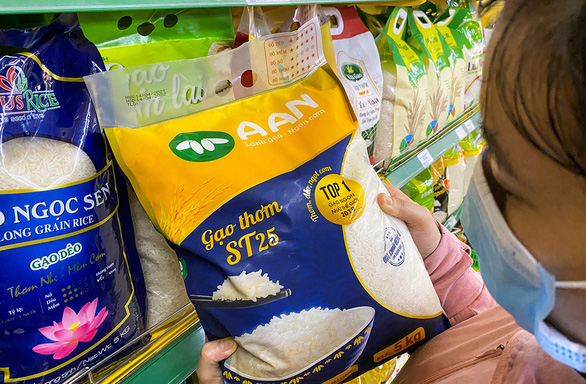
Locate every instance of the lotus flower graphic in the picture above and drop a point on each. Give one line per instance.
(73, 328)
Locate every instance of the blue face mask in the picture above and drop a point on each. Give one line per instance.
(515, 279)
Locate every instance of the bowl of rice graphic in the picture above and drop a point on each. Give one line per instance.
(314, 345)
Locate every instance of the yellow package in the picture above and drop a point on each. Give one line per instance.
(271, 201)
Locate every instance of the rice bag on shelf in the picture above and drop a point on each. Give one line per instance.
(359, 68)
(474, 56)
(440, 191)
(420, 189)
(404, 106)
(300, 199)
(448, 28)
(436, 56)
(72, 286)
(472, 146)
(455, 173)
(138, 37)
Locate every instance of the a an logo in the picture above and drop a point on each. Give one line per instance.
(352, 71)
(16, 97)
(15, 80)
(202, 146)
(394, 249)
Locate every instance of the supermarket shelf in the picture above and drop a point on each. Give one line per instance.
(166, 353)
(453, 219)
(35, 6)
(174, 363)
(421, 158)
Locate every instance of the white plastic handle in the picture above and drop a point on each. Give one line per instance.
(422, 19)
(335, 12)
(400, 21)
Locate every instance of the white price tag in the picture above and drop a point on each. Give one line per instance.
(460, 133)
(469, 125)
(425, 158)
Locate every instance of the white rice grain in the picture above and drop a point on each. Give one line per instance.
(404, 288)
(289, 343)
(251, 286)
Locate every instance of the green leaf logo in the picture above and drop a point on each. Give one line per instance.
(199, 147)
(352, 71)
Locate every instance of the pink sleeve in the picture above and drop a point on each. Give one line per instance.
(460, 289)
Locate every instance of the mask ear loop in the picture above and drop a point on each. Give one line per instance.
(571, 284)
(495, 189)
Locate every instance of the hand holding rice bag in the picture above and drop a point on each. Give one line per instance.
(72, 291)
(300, 199)
(404, 107)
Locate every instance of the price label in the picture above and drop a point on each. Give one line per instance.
(460, 133)
(425, 158)
(469, 125)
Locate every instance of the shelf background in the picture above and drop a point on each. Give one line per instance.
(36, 6)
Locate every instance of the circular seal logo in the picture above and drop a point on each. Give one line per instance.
(394, 248)
(352, 71)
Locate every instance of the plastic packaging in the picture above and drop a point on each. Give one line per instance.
(455, 173)
(448, 28)
(436, 56)
(472, 146)
(147, 94)
(421, 189)
(301, 201)
(440, 191)
(359, 68)
(404, 107)
(138, 37)
(72, 287)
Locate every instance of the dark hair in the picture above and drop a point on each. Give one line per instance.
(546, 103)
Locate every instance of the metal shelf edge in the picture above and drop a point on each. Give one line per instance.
(173, 364)
(412, 166)
(34, 6)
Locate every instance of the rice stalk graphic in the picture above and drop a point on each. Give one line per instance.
(456, 88)
(438, 102)
(183, 215)
(415, 112)
(415, 117)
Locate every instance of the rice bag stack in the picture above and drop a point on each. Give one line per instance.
(436, 56)
(404, 107)
(72, 291)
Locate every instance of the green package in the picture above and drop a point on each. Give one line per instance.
(448, 26)
(420, 189)
(138, 37)
(405, 106)
(436, 55)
